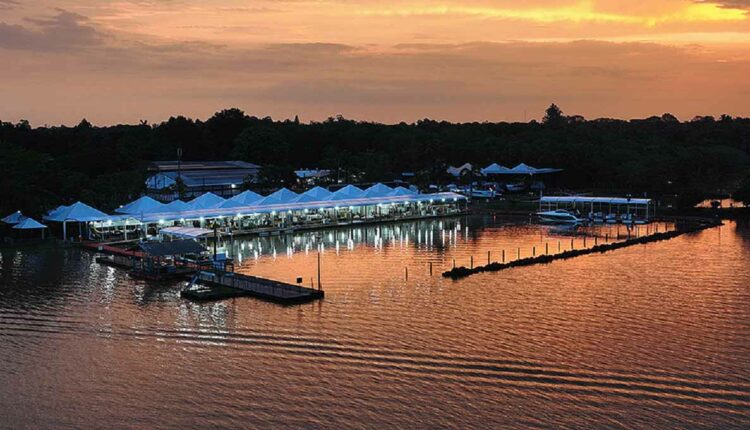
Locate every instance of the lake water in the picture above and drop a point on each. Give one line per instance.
(650, 336)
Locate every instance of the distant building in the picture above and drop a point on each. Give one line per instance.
(312, 176)
(224, 178)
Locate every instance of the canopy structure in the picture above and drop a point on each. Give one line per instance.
(401, 191)
(175, 247)
(347, 193)
(403, 195)
(520, 169)
(244, 198)
(14, 218)
(604, 205)
(378, 190)
(77, 212)
(279, 197)
(176, 205)
(54, 212)
(460, 170)
(142, 205)
(313, 195)
(206, 201)
(187, 232)
(29, 224)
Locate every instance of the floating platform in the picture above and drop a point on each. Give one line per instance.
(219, 285)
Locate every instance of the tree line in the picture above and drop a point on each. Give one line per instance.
(106, 166)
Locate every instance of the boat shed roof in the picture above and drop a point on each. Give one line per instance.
(175, 247)
(604, 200)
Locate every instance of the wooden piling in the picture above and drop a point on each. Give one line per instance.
(430, 268)
(503, 256)
(472, 261)
(488, 257)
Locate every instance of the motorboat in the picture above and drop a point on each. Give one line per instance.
(559, 216)
(482, 193)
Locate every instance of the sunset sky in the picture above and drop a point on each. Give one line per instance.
(123, 61)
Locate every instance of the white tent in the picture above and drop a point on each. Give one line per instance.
(78, 212)
(176, 205)
(245, 198)
(378, 190)
(460, 170)
(29, 224)
(496, 169)
(401, 191)
(279, 197)
(206, 201)
(14, 218)
(315, 194)
(347, 193)
(54, 212)
(524, 169)
(142, 205)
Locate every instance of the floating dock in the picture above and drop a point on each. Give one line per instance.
(207, 285)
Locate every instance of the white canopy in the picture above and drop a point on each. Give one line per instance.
(176, 205)
(142, 205)
(14, 218)
(313, 195)
(245, 198)
(496, 169)
(54, 212)
(206, 201)
(29, 224)
(378, 190)
(279, 197)
(401, 191)
(79, 212)
(347, 193)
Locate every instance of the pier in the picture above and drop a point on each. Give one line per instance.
(206, 285)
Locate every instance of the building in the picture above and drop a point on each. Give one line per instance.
(224, 178)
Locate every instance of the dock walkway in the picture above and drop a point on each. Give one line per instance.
(207, 285)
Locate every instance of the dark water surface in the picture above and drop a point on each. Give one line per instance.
(653, 336)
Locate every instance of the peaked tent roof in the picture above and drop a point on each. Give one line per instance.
(54, 212)
(176, 205)
(524, 169)
(315, 194)
(496, 169)
(401, 191)
(14, 218)
(245, 198)
(29, 224)
(206, 201)
(378, 190)
(279, 197)
(79, 212)
(141, 205)
(347, 193)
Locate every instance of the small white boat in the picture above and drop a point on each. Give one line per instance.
(559, 216)
(482, 194)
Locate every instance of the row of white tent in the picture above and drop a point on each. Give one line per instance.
(146, 209)
(497, 169)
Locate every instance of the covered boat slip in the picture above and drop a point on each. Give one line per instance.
(601, 208)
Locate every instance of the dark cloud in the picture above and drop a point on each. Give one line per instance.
(61, 32)
(735, 4)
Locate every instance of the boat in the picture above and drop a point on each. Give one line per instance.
(559, 216)
(482, 193)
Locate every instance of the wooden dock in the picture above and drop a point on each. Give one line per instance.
(210, 285)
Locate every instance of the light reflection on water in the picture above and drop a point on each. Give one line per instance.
(652, 336)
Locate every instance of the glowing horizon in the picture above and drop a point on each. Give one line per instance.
(127, 60)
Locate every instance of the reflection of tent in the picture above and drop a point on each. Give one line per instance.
(176, 206)
(14, 218)
(401, 191)
(378, 190)
(28, 224)
(142, 205)
(245, 198)
(205, 201)
(313, 195)
(279, 197)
